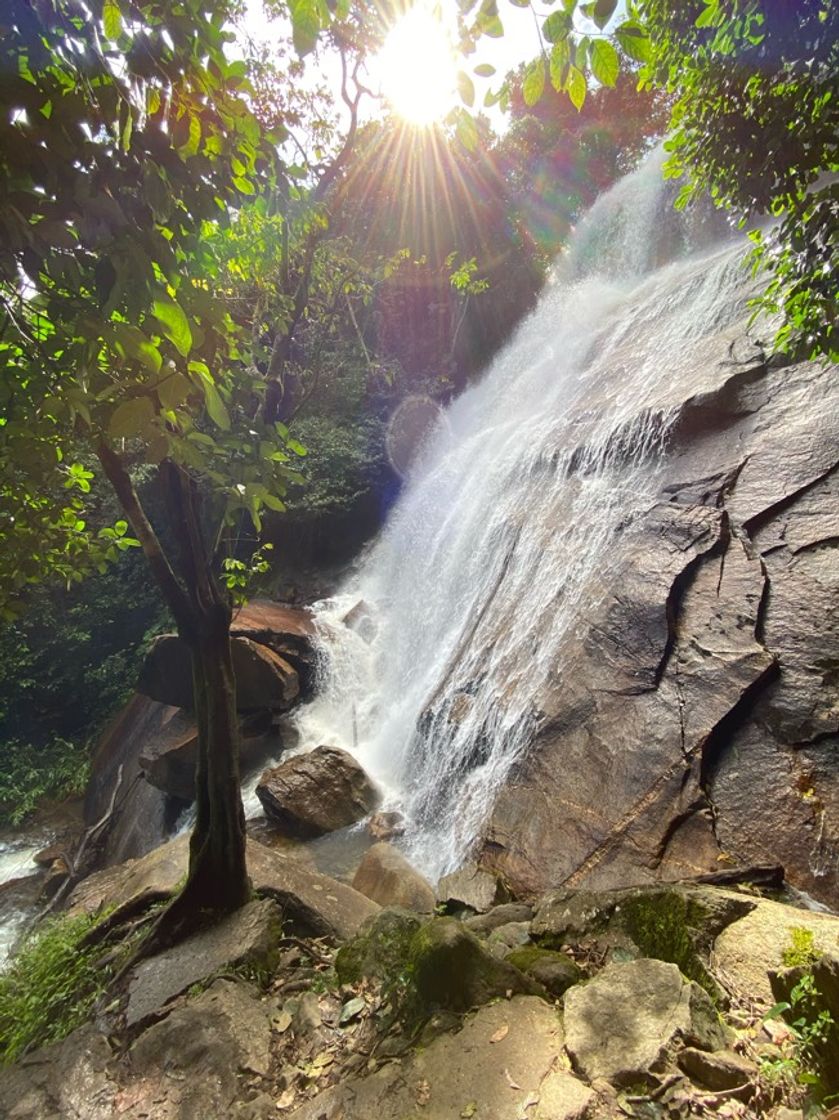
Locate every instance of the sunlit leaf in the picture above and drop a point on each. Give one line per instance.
(576, 87)
(465, 88)
(605, 64)
(111, 20)
(533, 85)
(175, 324)
(216, 407)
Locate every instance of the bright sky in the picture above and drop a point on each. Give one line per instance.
(412, 72)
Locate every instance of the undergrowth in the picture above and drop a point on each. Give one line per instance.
(29, 774)
(51, 985)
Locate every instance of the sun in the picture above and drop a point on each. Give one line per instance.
(416, 67)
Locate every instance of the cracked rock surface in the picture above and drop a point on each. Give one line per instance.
(695, 722)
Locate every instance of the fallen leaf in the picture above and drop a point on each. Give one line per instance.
(513, 1084)
(351, 1010)
(469, 1110)
(500, 1034)
(281, 1022)
(423, 1093)
(286, 1100)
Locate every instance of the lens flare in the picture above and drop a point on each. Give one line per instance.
(416, 67)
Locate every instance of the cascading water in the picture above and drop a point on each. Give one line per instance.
(488, 564)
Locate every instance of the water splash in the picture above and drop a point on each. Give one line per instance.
(503, 534)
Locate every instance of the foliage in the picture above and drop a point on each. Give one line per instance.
(50, 986)
(756, 121)
(811, 1028)
(28, 774)
(346, 458)
(801, 949)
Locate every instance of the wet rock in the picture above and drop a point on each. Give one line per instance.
(389, 879)
(386, 826)
(450, 968)
(718, 1071)
(556, 972)
(169, 762)
(264, 679)
(630, 1020)
(288, 631)
(248, 938)
(315, 793)
(702, 686)
(504, 1063)
(472, 887)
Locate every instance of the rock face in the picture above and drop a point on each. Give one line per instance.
(467, 1074)
(264, 679)
(386, 876)
(315, 793)
(695, 715)
(631, 1017)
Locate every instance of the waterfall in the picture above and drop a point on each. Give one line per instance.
(488, 563)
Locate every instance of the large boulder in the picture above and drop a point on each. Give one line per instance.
(312, 904)
(700, 685)
(288, 631)
(633, 1017)
(389, 879)
(506, 1062)
(168, 762)
(450, 968)
(248, 938)
(315, 793)
(264, 679)
(134, 816)
(748, 951)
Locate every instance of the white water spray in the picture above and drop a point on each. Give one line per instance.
(489, 561)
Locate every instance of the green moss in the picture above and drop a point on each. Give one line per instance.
(660, 924)
(381, 949)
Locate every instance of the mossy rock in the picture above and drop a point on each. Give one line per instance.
(676, 924)
(556, 972)
(449, 968)
(380, 949)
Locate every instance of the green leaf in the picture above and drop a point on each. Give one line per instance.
(465, 88)
(557, 26)
(601, 11)
(175, 324)
(534, 82)
(634, 41)
(274, 503)
(132, 418)
(560, 61)
(112, 20)
(484, 70)
(605, 64)
(215, 406)
(576, 87)
(305, 24)
(467, 131)
(134, 344)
